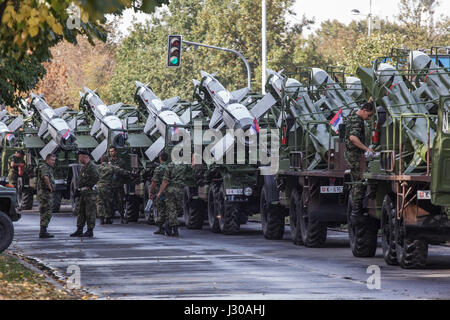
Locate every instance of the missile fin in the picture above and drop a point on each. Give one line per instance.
(95, 127)
(72, 124)
(195, 82)
(215, 118)
(115, 107)
(185, 116)
(153, 151)
(151, 122)
(263, 106)
(49, 148)
(222, 146)
(3, 113)
(16, 123)
(42, 128)
(99, 150)
(169, 103)
(154, 131)
(59, 111)
(240, 94)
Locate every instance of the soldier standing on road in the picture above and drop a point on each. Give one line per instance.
(355, 148)
(172, 188)
(157, 179)
(118, 193)
(16, 161)
(46, 193)
(88, 194)
(106, 173)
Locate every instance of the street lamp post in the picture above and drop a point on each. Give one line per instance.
(369, 17)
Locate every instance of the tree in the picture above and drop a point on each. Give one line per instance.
(29, 28)
(228, 23)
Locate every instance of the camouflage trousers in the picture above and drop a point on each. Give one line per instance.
(160, 206)
(45, 207)
(12, 178)
(174, 202)
(117, 196)
(87, 210)
(358, 188)
(104, 202)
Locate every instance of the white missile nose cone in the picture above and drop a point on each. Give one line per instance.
(318, 76)
(204, 74)
(138, 84)
(419, 60)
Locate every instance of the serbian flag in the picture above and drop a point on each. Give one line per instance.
(66, 135)
(9, 136)
(175, 128)
(255, 127)
(337, 120)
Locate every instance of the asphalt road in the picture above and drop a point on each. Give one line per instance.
(130, 262)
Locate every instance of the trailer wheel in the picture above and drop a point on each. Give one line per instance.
(192, 211)
(363, 235)
(411, 254)
(228, 214)
(24, 195)
(6, 231)
(132, 206)
(212, 215)
(57, 196)
(272, 221)
(388, 217)
(313, 232)
(294, 213)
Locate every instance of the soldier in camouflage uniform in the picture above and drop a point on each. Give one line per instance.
(106, 172)
(159, 202)
(118, 193)
(15, 161)
(355, 148)
(87, 209)
(46, 193)
(172, 189)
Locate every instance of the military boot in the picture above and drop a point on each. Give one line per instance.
(89, 233)
(44, 234)
(78, 233)
(174, 231)
(102, 220)
(109, 221)
(160, 230)
(168, 230)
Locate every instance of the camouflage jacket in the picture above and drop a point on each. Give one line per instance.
(118, 181)
(108, 172)
(16, 160)
(158, 174)
(174, 175)
(88, 177)
(354, 126)
(46, 170)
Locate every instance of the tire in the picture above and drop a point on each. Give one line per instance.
(411, 254)
(57, 196)
(212, 215)
(27, 198)
(193, 211)
(272, 221)
(313, 232)
(6, 231)
(132, 206)
(363, 235)
(294, 213)
(388, 217)
(228, 214)
(74, 201)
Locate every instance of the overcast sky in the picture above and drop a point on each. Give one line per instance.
(326, 9)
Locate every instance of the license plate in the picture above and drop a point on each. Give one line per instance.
(423, 194)
(232, 192)
(331, 189)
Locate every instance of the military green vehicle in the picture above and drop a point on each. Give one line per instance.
(408, 185)
(8, 215)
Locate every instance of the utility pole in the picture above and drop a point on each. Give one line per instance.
(264, 47)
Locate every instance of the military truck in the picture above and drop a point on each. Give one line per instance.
(408, 185)
(8, 215)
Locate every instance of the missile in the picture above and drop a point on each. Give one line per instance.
(54, 125)
(399, 100)
(7, 130)
(230, 112)
(333, 97)
(354, 87)
(160, 115)
(106, 122)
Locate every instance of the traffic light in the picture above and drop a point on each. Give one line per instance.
(174, 52)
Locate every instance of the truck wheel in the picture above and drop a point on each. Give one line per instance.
(294, 212)
(411, 254)
(313, 232)
(192, 211)
(6, 231)
(74, 201)
(132, 208)
(388, 217)
(24, 195)
(212, 214)
(363, 235)
(228, 214)
(272, 221)
(57, 196)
